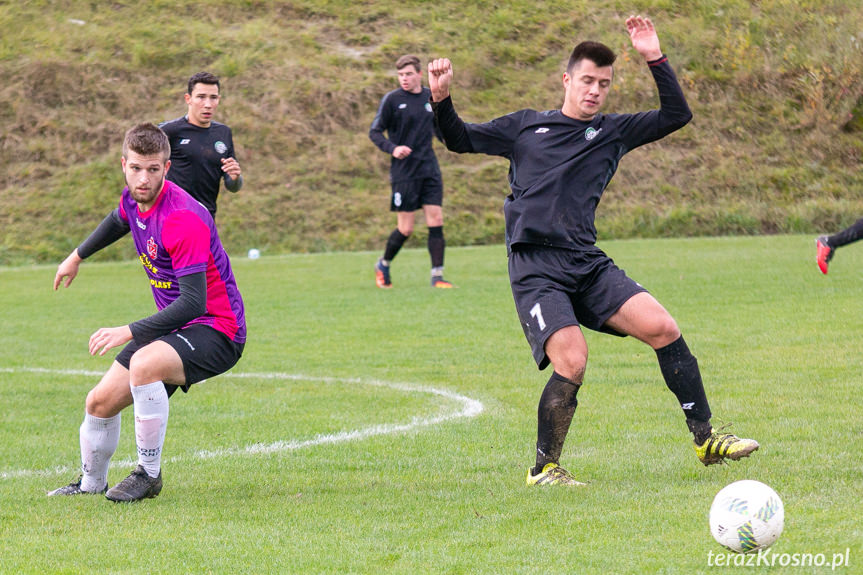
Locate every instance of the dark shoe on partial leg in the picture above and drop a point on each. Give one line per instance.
(74, 488)
(382, 275)
(440, 283)
(137, 486)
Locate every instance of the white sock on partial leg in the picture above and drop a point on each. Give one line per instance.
(151, 420)
(99, 439)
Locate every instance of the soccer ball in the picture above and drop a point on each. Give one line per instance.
(746, 516)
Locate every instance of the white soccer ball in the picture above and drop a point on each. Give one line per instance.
(254, 254)
(746, 516)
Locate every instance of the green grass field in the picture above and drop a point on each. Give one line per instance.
(370, 431)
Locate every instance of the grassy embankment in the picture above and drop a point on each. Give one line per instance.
(775, 86)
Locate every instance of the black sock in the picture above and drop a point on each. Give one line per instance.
(436, 245)
(394, 244)
(556, 408)
(680, 370)
(701, 430)
(850, 234)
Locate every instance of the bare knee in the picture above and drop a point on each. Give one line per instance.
(571, 365)
(157, 361)
(100, 404)
(141, 368)
(567, 352)
(663, 332)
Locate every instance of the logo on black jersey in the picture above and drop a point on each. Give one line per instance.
(428, 107)
(590, 133)
(221, 147)
(541, 130)
(402, 106)
(184, 141)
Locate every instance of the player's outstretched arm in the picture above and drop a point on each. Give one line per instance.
(644, 38)
(440, 78)
(67, 269)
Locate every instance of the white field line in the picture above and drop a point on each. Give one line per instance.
(467, 407)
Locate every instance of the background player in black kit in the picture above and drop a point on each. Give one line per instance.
(406, 115)
(560, 163)
(202, 151)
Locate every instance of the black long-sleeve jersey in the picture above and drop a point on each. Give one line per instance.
(409, 121)
(196, 158)
(559, 166)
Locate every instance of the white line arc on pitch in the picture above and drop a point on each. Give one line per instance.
(468, 408)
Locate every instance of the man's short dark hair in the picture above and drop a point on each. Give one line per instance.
(598, 53)
(203, 78)
(147, 140)
(408, 60)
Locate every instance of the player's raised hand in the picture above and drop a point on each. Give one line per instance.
(440, 78)
(644, 37)
(67, 269)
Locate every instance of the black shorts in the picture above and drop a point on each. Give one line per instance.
(555, 288)
(411, 195)
(204, 351)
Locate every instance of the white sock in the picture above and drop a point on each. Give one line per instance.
(99, 439)
(151, 420)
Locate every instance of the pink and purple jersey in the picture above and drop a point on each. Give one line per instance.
(177, 237)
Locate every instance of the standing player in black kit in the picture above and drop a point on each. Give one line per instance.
(406, 115)
(202, 151)
(560, 163)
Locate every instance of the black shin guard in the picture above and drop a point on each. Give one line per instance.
(394, 244)
(436, 245)
(556, 408)
(682, 376)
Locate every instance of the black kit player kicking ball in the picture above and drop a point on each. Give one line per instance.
(560, 163)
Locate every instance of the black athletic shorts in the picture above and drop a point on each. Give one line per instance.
(411, 195)
(205, 352)
(555, 288)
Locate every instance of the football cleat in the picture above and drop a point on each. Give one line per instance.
(74, 488)
(382, 276)
(823, 253)
(439, 282)
(552, 474)
(721, 446)
(137, 486)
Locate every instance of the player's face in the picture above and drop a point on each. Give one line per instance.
(585, 89)
(410, 80)
(145, 176)
(202, 102)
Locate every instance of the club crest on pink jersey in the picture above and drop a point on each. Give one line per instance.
(152, 248)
